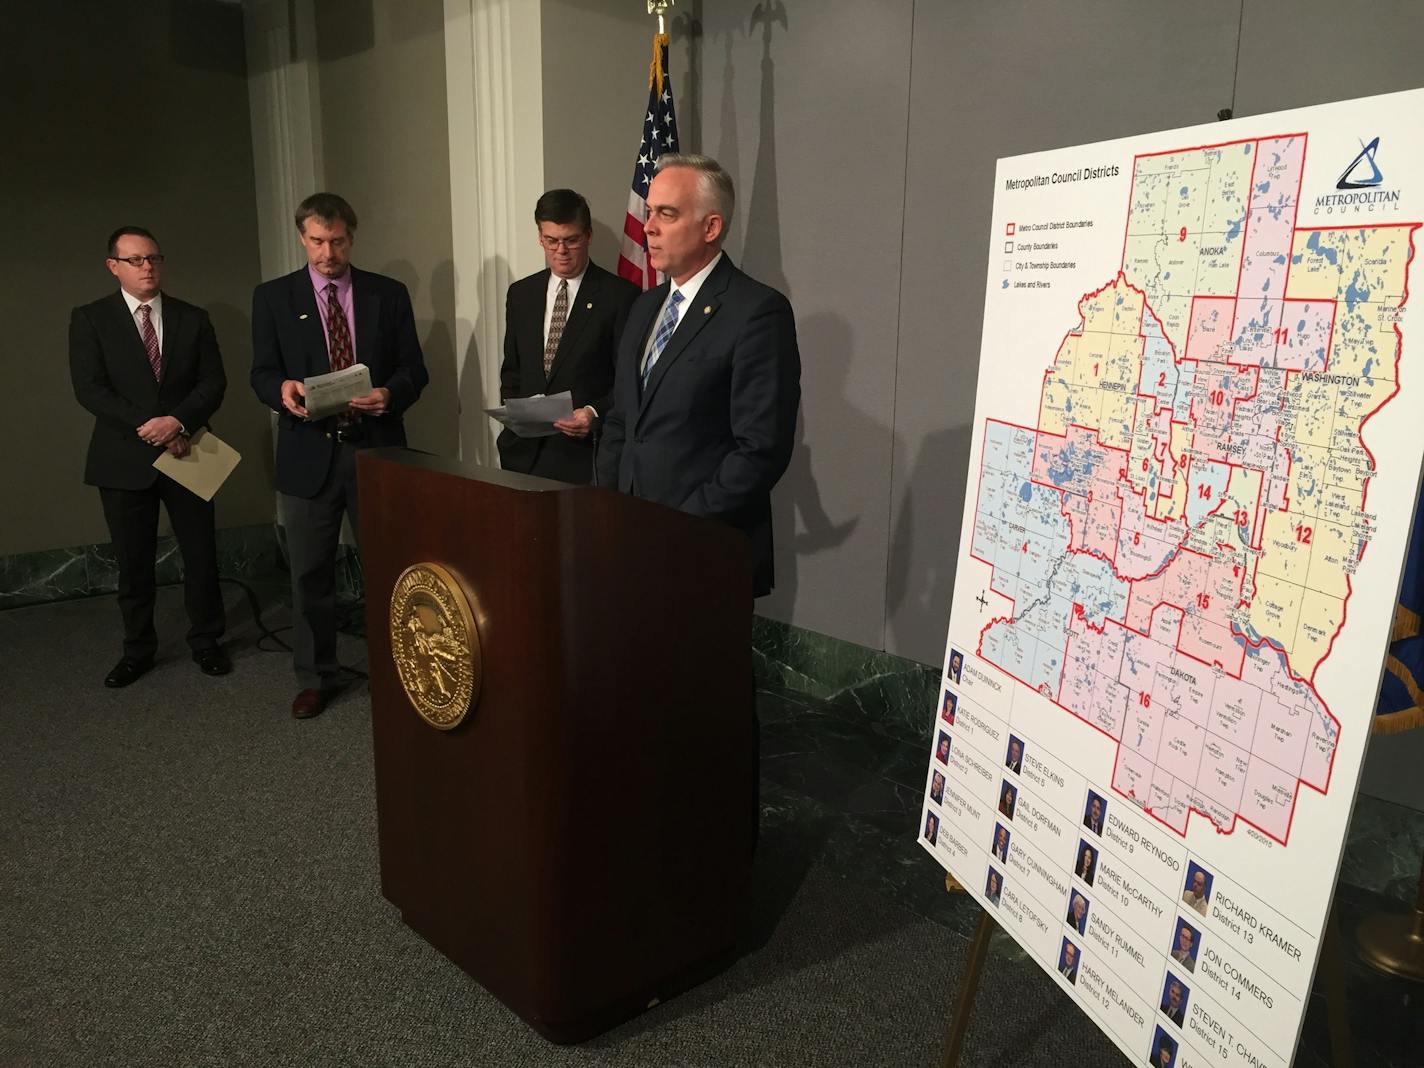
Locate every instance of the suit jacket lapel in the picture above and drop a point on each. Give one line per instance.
(125, 328)
(367, 309)
(580, 311)
(694, 318)
(303, 303)
(176, 324)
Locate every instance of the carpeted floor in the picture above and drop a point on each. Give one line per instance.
(188, 876)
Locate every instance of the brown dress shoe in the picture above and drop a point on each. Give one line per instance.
(308, 703)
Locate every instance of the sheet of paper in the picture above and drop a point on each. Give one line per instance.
(206, 467)
(534, 417)
(330, 393)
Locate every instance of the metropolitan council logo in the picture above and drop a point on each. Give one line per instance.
(1361, 188)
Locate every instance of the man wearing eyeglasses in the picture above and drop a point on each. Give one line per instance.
(327, 316)
(561, 332)
(147, 365)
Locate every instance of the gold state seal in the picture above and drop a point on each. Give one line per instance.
(435, 644)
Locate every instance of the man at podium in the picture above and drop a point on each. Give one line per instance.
(709, 375)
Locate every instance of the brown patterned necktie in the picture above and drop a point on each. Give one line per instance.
(556, 324)
(150, 339)
(338, 332)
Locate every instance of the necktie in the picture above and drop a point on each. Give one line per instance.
(666, 327)
(556, 324)
(338, 332)
(150, 338)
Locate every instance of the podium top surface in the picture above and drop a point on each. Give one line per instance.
(448, 465)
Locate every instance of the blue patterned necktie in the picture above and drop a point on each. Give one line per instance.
(666, 327)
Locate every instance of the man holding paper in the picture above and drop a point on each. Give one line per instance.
(147, 365)
(328, 317)
(561, 332)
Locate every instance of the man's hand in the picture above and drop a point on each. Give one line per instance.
(377, 402)
(577, 425)
(159, 430)
(293, 393)
(179, 446)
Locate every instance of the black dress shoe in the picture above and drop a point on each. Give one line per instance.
(126, 671)
(212, 661)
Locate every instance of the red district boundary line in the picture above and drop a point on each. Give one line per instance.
(1163, 453)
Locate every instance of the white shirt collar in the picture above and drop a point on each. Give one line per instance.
(689, 288)
(156, 304)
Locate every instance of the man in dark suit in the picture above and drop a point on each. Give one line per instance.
(1174, 1000)
(561, 332)
(324, 317)
(709, 375)
(147, 365)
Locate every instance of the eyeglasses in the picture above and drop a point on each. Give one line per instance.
(139, 261)
(564, 243)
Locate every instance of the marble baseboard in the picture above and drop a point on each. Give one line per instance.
(85, 570)
(899, 694)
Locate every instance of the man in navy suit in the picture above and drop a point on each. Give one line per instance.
(709, 376)
(147, 365)
(561, 332)
(324, 317)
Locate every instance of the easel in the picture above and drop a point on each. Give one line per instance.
(1332, 977)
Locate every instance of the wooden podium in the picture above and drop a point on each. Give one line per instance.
(581, 843)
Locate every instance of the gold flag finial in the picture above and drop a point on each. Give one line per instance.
(659, 8)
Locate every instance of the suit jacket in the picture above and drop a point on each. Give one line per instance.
(715, 426)
(1177, 1016)
(288, 342)
(583, 364)
(113, 379)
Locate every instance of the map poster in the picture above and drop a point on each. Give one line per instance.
(1195, 459)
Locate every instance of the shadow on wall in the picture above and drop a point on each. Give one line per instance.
(826, 342)
(476, 438)
(243, 421)
(928, 557)
(435, 423)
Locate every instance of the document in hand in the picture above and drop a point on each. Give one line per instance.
(534, 417)
(330, 393)
(206, 467)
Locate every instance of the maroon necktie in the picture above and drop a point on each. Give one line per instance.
(150, 339)
(338, 332)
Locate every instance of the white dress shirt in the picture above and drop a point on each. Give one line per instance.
(554, 281)
(155, 315)
(688, 290)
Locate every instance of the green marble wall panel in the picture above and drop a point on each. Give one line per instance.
(898, 693)
(84, 570)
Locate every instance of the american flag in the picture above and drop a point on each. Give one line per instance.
(659, 136)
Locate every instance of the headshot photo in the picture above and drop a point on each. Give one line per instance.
(1013, 758)
(1174, 1000)
(956, 664)
(946, 711)
(937, 788)
(994, 887)
(1000, 847)
(1185, 944)
(1198, 889)
(1078, 911)
(1068, 961)
(1164, 1050)
(1094, 812)
(1008, 797)
(931, 827)
(942, 747)
(1086, 867)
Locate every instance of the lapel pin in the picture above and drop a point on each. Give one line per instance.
(589, 305)
(707, 310)
(302, 316)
